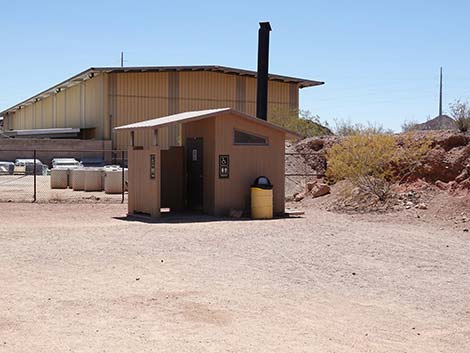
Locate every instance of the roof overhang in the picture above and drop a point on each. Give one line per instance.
(94, 71)
(185, 117)
(44, 133)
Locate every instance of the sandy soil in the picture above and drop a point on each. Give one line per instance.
(77, 278)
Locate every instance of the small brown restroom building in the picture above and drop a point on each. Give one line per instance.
(222, 152)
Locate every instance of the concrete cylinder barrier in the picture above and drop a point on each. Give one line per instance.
(59, 178)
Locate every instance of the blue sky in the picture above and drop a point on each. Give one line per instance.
(380, 60)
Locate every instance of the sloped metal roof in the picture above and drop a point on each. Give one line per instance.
(89, 73)
(199, 115)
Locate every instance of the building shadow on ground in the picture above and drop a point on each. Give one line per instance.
(189, 217)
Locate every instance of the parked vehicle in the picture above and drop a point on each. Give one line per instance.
(93, 162)
(26, 167)
(69, 163)
(7, 168)
(21, 162)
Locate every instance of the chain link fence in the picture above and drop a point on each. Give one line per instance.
(301, 168)
(63, 176)
(100, 176)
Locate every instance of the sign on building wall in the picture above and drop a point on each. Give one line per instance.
(224, 166)
(152, 166)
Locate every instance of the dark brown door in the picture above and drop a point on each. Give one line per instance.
(194, 164)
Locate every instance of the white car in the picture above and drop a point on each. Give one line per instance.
(21, 162)
(7, 168)
(70, 163)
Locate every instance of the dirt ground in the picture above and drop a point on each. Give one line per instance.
(81, 278)
(20, 188)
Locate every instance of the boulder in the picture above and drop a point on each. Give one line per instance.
(320, 189)
(462, 176)
(441, 185)
(464, 185)
(299, 196)
(310, 185)
(421, 206)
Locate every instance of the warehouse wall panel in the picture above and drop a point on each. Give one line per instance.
(61, 111)
(93, 99)
(28, 117)
(135, 97)
(47, 113)
(109, 100)
(37, 115)
(73, 106)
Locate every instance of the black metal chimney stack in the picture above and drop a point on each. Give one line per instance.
(263, 63)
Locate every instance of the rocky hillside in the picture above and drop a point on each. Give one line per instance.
(441, 122)
(446, 165)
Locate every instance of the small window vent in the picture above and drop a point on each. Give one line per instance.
(244, 138)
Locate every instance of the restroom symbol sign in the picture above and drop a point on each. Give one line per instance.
(224, 166)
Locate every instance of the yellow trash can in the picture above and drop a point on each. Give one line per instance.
(262, 199)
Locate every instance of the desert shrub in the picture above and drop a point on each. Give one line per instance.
(409, 126)
(348, 128)
(460, 111)
(365, 161)
(302, 122)
(372, 163)
(410, 154)
(462, 124)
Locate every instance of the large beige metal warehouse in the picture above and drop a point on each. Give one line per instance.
(99, 99)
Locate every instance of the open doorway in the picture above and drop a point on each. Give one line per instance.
(172, 187)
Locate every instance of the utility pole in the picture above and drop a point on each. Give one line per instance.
(122, 59)
(440, 94)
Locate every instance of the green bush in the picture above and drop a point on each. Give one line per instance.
(302, 122)
(348, 128)
(373, 162)
(409, 126)
(460, 111)
(364, 160)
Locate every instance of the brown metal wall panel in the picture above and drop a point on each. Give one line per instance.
(293, 97)
(144, 192)
(173, 93)
(93, 98)
(278, 98)
(240, 98)
(115, 99)
(205, 90)
(174, 106)
(137, 97)
(246, 164)
(250, 104)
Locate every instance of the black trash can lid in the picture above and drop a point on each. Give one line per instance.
(263, 182)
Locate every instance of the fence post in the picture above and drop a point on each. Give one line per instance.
(123, 188)
(34, 176)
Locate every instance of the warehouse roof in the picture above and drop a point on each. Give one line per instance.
(89, 73)
(198, 115)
